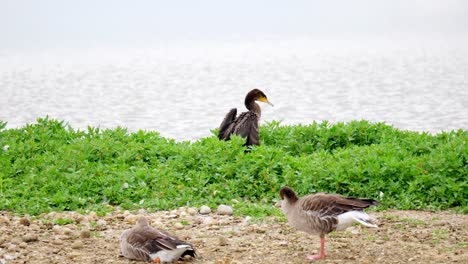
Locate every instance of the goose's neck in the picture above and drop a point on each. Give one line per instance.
(287, 206)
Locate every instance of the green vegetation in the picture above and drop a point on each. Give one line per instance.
(49, 166)
(63, 221)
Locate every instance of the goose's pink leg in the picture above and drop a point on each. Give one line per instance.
(322, 251)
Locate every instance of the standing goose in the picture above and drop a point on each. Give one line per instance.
(323, 213)
(246, 124)
(145, 243)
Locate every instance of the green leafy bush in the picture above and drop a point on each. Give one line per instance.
(50, 166)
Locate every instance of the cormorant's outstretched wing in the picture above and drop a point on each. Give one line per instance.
(225, 129)
(246, 125)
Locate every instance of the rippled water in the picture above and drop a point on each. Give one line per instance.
(184, 91)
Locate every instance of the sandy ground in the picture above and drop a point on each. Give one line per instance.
(402, 237)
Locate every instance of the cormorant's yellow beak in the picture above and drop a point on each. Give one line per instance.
(263, 99)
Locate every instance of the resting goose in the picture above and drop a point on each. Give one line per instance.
(143, 242)
(323, 213)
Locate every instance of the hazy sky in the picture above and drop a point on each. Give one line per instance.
(56, 23)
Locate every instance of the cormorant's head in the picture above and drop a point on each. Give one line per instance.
(257, 95)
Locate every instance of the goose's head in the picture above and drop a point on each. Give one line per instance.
(288, 195)
(142, 222)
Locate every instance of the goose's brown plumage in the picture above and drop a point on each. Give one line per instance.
(323, 213)
(145, 243)
(246, 124)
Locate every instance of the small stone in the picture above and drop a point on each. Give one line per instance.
(30, 238)
(101, 224)
(85, 233)
(354, 230)
(34, 227)
(57, 229)
(73, 255)
(208, 220)
(171, 216)
(15, 240)
(51, 215)
(192, 211)
(57, 242)
(67, 231)
(198, 220)
(25, 221)
(205, 210)
(9, 257)
(178, 226)
(23, 245)
(222, 241)
(12, 248)
(93, 215)
(224, 210)
(4, 220)
(47, 225)
(77, 244)
(131, 219)
(142, 211)
(80, 219)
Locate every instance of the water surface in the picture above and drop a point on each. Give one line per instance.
(184, 90)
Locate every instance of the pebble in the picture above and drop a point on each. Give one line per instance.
(51, 215)
(73, 255)
(48, 225)
(4, 220)
(131, 219)
(192, 211)
(93, 215)
(80, 219)
(208, 220)
(12, 248)
(67, 231)
(101, 224)
(34, 227)
(57, 229)
(222, 241)
(142, 211)
(77, 244)
(30, 238)
(9, 257)
(85, 233)
(25, 221)
(57, 242)
(205, 210)
(23, 245)
(225, 210)
(198, 220)
(178, 226)
(171, 216)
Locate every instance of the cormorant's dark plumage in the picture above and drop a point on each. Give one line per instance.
(246, 124)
